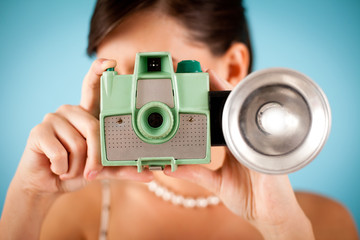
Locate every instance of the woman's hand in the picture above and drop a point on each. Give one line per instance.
(266, 201)
(62, 154)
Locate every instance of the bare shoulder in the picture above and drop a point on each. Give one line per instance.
(74, 215)
(330, 219)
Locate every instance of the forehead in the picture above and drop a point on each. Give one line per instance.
(148, 31)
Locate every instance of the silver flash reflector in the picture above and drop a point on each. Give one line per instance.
(276, 121)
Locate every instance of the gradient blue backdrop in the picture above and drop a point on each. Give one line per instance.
(43, 61)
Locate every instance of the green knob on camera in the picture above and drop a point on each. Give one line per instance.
(188, 66)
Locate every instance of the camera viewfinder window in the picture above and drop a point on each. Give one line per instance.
(154, 64)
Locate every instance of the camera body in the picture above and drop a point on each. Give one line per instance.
(155, 117)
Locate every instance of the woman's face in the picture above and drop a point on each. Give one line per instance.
(148, 31)
(151, 31)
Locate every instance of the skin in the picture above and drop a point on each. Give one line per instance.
(58, 176)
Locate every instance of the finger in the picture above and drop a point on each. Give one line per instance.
(73, 142)
(90, 97)
(89, 128)
(218, 84)
(197, 174)
(46, 143)
(125, 172)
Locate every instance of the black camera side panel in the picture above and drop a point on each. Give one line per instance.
(217, 101)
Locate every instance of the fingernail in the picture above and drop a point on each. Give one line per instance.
(92, 175)
(167, 170)
(104, 63)
(64, 176)
(107, 63)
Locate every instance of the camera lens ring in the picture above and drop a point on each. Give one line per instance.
(151, 134)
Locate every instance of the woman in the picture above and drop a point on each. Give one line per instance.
(56, 192)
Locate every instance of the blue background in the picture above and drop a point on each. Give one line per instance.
(43, 61)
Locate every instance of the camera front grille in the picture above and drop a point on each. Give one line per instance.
(123, 144)
(119, 133)
(192, 131)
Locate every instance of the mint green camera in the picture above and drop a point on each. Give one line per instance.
(155, 117)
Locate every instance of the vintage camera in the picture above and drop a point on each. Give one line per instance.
(275, 121)
(155, 117)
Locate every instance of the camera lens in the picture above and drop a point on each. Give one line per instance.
(155, 120)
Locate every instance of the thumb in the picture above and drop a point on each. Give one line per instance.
(90, 94)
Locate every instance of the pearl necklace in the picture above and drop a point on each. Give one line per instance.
(176, 199)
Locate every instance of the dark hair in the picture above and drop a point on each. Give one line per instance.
(217, 23)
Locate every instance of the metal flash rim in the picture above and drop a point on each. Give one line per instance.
(318, 132)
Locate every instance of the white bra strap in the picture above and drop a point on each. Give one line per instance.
(105, 209)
